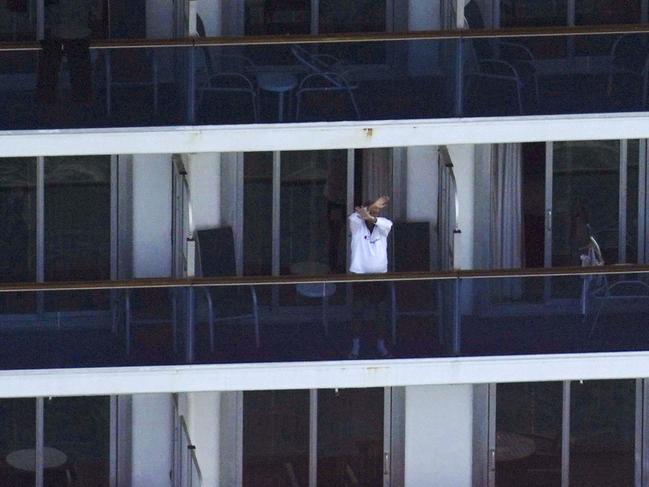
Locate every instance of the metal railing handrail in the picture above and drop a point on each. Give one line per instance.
(349, 37)
(151, 283)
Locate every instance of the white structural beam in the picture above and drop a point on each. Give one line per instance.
(315, 136)
(310, 375)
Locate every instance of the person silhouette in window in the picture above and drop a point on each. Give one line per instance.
(67, 32)
(369, 255)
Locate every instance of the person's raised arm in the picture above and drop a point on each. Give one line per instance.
(355, 222)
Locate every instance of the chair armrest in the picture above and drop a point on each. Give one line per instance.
(328, 59)
(253, 293)
(499, 67)
(515, 46)
(337, 80)
(234, 78)
(210, 305)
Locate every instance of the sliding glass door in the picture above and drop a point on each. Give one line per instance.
(296, 204)
(316, 438)
(57, 441)
(59, 225)
(566, 434)
(351, 439)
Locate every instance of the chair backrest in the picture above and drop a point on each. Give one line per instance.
(315, 65)
(474, 19)
(216, 252)
(200, 30)
(411, 246)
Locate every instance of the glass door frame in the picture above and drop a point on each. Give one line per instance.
(399, 192)
(623, 199)
(40, 218)
(484, 439)
(119, 204)
(393, 437)
(117, 414)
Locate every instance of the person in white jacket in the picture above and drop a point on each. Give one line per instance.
(369, 255)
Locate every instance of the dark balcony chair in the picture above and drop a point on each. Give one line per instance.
(224, 74)
(325, 74)
(629, 62)
(501, 64)
(625, 295)
(411, 247)
(215, 250)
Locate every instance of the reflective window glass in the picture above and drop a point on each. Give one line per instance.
(602, 433)
(528, 434)
(77, 218)
(275, 438)
(77, 432)
(350, 437)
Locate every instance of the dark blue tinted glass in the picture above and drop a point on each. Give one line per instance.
(425, 318)
(337, 81)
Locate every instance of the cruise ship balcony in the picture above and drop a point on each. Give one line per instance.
(216, 258)
(358, 77)
(207, 321)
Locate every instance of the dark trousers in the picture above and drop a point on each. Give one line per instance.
(370, 306)
(77, 52)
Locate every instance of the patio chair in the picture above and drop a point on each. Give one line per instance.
(629, 61)
(215, 250)
(508, 65)
(325, 74)
(225, 74)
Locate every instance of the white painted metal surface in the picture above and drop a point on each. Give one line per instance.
(314, 136)
(318, 375)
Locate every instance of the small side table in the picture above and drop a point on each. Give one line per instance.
(279, 83)
(26, 459)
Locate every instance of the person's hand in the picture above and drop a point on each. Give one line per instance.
(364, 213)
(381, 202)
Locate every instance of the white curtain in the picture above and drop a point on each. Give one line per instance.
(506, 207)
(447, 14)
(377, 175)
(507, 216)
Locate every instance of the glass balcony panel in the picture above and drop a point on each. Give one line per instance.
(327, 320)
(585, 313)
(338, 81)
